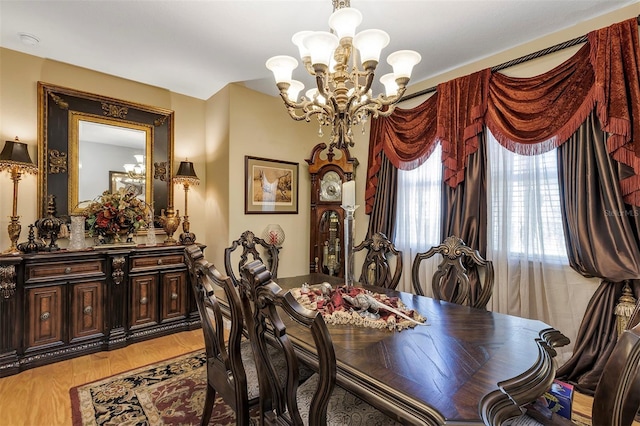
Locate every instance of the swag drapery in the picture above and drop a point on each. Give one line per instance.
(527, 116)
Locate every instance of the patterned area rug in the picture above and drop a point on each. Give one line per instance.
(171, 392)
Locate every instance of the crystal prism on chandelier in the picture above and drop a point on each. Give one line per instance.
(343, 75)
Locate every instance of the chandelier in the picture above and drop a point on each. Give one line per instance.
(343, 64)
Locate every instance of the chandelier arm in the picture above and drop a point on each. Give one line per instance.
(323, 84)
(305, 105)
(305, 114)
(368, 82)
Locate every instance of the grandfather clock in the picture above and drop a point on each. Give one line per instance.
(329, 170)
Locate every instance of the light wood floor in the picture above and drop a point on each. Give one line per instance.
(40, 396)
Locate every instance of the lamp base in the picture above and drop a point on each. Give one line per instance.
(14, 229)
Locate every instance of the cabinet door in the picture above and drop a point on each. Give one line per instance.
(86, 310)
(144, 300)
(44, 311)
(174, 295)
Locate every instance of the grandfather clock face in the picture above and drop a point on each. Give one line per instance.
(331, 187)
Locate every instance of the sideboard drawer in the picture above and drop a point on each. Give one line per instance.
(156, 261)
(51, 270)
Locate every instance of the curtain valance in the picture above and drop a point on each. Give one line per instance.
(526, 115)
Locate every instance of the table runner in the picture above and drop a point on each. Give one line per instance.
(357, 306)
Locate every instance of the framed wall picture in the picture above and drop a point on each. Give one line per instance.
(271, 186)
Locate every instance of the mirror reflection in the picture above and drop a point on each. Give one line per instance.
(111, 157)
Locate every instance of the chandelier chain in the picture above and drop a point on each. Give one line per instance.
(339, 4)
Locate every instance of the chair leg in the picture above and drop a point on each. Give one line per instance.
(208, 406)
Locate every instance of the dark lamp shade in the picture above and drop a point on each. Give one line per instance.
(15, 152)
(186, 170)
(186, 174)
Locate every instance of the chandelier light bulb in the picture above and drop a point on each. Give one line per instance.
(321, 45)
(370, 43)
(344, 22)
(390, 85)
(314, 95)
(282, 67)
(403, 62)
(298, 39)
(294, 90)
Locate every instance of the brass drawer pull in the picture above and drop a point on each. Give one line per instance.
(88, 310)
(159, 261)
(174, 296)
(44, 316)
(67, 270)
(143, 301)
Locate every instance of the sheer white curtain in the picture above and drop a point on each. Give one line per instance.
(418, 218)
(526, 243)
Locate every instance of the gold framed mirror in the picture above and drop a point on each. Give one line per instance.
(89, 143)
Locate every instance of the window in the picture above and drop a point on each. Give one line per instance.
(524, 202)
(418, 211)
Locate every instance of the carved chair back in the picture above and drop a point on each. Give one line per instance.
(249, 247)
(634, 319)
(452, 281)
(617, 397)
(268, 305)
(376, 269)
(225, 369)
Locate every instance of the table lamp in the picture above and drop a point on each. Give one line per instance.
(15, 159)
(186, 176)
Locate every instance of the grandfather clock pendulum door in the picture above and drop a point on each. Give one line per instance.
(329, 170)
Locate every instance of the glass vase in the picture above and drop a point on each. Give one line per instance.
(151, 233)
(77, 240)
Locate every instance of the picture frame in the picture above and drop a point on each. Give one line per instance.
(271, 186)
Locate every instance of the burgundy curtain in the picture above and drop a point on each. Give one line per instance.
(527, 115)
(615, 57)
(536, 114)
(407, 138)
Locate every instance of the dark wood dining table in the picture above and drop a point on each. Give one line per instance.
(465, 366)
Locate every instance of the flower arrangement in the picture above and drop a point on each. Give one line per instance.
(113, 214)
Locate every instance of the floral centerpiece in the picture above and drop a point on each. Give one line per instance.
(114, 215)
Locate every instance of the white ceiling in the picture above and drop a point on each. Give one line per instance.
(196, 48)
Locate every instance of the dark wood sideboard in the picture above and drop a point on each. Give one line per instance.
(60, 305)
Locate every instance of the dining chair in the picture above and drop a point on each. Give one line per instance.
(226, 374)
(617, 397)
(316, 402)
(248, 248)
(634, 319)
(452, 281)
(376, 268)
